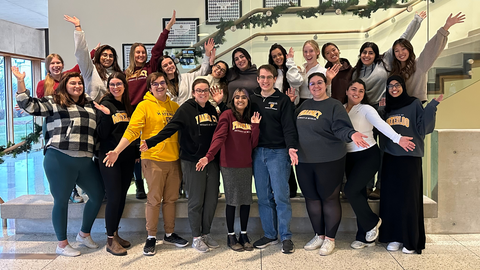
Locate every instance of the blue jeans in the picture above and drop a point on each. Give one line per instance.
(271, 169)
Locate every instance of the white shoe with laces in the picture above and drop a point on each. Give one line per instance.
(86, 241)
(373, 233)
(67, 251)
(327, 247)
(393, 246)
(315, 243)
(359, 244)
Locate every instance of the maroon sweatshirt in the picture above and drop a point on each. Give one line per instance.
(137, 82)
(236, 141)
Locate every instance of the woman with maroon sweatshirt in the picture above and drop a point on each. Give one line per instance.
(235, 131)
(137, 72)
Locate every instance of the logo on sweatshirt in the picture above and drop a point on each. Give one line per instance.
(242, 127)
(271, 106)
(120, 117)
(398, 120)
(202, 118)
(306, 114)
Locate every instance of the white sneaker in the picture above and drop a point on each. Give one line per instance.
(67, 251)
(199, 245)
(359, 244)
(315, 243)
(86, 241)
(327, 247)
(407, 251)
(393, 246)
(373, 233)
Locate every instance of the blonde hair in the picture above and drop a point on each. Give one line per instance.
(131, 67)
(49, 81)
(314, 44)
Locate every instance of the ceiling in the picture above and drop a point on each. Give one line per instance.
(31, 13)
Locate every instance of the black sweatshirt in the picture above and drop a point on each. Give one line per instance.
(110, 128)
(277, 127)
(195, 126)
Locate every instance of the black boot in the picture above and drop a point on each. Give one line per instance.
(140, 190)
(233, 243)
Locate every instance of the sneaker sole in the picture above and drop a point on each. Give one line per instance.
(310, 249)
(364, 246)
(149, 253)
(210, 246)
(393, 249)
(175, 244)
(288, 252)
(202, 251)
(267, 244)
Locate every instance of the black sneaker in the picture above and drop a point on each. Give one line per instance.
(140, 195)
(149, 248)
(176, 240)
(265, 242)
(288, 247)
(244, 240)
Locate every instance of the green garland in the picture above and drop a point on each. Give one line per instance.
(263, 21)
(26, 147)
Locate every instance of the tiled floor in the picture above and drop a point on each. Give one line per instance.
(37, 252)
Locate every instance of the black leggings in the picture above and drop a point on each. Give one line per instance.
(320, 184)
(361, 166)
(117, 180)
(230, 216)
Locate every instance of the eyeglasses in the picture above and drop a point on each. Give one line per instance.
(391, 86)
(157, 84)
(317, 83)
(106, 55)
(116, 85)
(222, 70)
(241, 56)
(265, 77)
(201, 91)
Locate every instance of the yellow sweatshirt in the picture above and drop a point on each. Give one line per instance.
(151, 116)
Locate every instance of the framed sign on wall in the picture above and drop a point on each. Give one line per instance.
(274, 3)
(184, 32)
(226, 9)
(126, 53)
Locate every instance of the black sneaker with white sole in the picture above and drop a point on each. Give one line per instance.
(176, 240)
(265, 242)
(288, 247)
(149, 248)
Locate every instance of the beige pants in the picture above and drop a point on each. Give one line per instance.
(163, 180)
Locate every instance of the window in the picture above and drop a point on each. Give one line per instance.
(3, 104)
(22, 121)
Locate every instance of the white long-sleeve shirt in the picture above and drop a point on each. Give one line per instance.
(364, 117)
(294, 78)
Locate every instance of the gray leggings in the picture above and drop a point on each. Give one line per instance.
(63, 172)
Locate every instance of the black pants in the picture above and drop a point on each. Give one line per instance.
(117, 180)
(320, 184)
(360, 167)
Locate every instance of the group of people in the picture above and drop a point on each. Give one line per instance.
(241, 121)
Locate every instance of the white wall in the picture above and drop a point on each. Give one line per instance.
(126, 22)
(22, 40)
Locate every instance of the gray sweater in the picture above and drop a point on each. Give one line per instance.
(411, 121)
(323, 129)
(375, 76)
(417, 83)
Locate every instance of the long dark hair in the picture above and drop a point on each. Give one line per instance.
(223, 84)
(378, 57)
(62, 97)
(246, 116)
(234, 67)
(176, 81)
(102, 71)
(275, 46)
(365, 99)
(125, 95)
(410, 66)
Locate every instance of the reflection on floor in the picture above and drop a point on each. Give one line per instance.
(34, 251)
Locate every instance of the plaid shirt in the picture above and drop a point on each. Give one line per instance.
(72, 128)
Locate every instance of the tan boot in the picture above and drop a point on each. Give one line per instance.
(115, 248)
(124, 243)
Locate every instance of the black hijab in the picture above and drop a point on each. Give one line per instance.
(401, 101)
